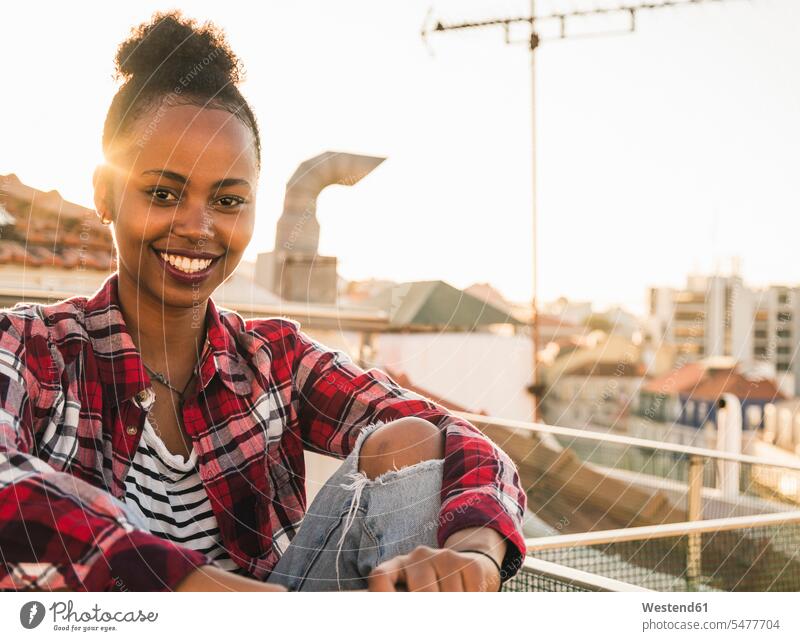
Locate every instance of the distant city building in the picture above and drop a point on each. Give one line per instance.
(572, 312)
(593, 383)
(720, 316)
(689, 395)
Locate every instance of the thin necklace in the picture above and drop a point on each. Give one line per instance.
(158, 376)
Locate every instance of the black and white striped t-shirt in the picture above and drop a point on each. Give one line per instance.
(165, 489)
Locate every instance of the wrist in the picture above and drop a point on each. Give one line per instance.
(480, 539)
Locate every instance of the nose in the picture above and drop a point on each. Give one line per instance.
(194, 222)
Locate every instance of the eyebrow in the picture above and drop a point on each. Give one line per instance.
(165, 173)
(171, 175)
(230, 182)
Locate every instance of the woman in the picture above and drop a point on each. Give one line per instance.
(150, 441)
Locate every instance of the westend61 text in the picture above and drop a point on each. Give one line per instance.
(695, 606)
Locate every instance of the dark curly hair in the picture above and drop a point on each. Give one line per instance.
(171, 60)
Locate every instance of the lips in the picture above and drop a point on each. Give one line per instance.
(187, 266)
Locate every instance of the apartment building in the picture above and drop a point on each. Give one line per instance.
(722, 316)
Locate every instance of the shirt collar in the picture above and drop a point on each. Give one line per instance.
(120, 364)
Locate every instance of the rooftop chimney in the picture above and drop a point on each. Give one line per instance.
(294, 270)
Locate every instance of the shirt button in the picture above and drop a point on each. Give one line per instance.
(131, 429)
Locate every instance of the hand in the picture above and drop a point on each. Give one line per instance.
(427, 569)
(209, 578)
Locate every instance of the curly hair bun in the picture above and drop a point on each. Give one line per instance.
(172, 52)
(171, 60)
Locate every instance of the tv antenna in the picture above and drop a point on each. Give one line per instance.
(560, 29)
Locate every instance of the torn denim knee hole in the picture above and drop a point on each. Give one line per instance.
(388, 474)
(359, 481)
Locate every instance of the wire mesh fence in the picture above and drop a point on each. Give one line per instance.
(529, 581)
(761, 487)
(753, 559)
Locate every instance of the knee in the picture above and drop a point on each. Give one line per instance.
(398, 444)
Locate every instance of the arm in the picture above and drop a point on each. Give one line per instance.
(335, 399)
(58, 532)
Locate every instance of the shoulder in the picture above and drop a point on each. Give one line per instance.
(54, 321)
(29, 332)
(276, 335)
(22, 323)
(24, 344)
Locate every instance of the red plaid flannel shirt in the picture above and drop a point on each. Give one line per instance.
(70, 376)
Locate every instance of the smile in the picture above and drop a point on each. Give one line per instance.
(186, 269)
(185, 264)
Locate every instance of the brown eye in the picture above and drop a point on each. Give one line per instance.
(229, 202)
(162, 194)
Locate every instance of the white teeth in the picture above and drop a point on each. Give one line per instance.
(188, 265)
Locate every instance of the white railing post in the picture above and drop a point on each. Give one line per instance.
(729, 440)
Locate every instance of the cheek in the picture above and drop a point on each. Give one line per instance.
(133, 219)
(237, 231)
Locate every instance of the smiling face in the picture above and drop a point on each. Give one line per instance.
(180, 190)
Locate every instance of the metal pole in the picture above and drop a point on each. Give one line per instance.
(534, 43)
(695, 513)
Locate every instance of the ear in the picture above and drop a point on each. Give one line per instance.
(103, 202)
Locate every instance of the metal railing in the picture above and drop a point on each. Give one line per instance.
(682, 545)
(479, 420)
(704, 483)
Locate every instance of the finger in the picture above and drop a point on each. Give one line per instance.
(450, 579)
(385, 576)
(476, 578)
(421, 576)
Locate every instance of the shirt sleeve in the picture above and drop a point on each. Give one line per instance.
(480, 484)
(58, 532)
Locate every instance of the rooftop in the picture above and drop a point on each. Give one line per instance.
(707, 380)
(42, 229)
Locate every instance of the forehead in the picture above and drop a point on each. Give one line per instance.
(193, 141)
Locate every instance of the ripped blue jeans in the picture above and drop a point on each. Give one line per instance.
(355, 523)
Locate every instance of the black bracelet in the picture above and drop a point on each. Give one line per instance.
(491, 558)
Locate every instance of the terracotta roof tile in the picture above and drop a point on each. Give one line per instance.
(680, 380)
(717, 383)
(49, 231)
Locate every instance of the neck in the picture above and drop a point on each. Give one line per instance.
(165, 336)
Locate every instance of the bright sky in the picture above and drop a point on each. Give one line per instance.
(661, 152)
